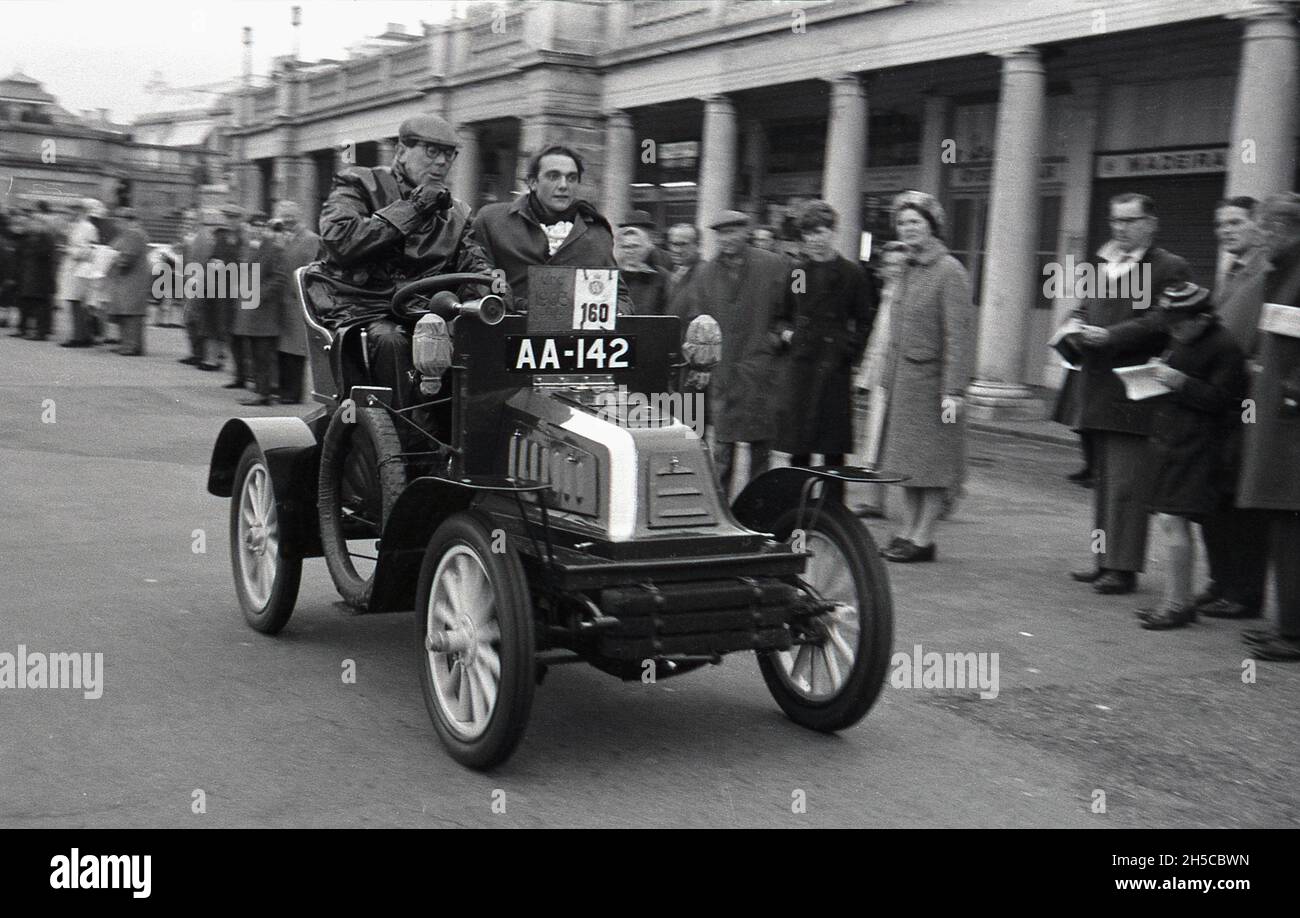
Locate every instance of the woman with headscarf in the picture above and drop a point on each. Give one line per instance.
(932, 328)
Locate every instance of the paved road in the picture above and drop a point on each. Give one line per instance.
(100, 510)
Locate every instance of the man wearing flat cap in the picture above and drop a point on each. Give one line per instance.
(742, 288)
(385, 226)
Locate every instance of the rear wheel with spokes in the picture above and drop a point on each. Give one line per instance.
(362, 473)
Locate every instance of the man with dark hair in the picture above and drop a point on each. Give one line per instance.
(684, 250)
(551, 225)
(385, 226)
(1132, 273)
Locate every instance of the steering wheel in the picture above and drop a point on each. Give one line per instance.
(433, 285)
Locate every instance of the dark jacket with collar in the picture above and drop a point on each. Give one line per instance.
(514, 241)
(1271, 455)
(1239, 298)
(1105, 406)
(374, 238)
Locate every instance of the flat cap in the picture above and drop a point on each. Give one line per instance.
(428, 128)
(730, 218)
(638, 218)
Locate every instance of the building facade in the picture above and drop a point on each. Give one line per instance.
(1023, 117)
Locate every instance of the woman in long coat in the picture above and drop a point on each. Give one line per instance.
(824, 322)
(932, 336)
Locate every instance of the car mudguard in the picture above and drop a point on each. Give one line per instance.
(775, 491)
(292, 454)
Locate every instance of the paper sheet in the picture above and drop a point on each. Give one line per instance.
(1140, 382)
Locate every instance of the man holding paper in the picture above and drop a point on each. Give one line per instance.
(1135, 271)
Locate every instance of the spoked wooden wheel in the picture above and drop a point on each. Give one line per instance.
(474, 624)
(831, 678)
(266, 582)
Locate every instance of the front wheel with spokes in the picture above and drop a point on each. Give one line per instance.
(830, 678)
(475, 633)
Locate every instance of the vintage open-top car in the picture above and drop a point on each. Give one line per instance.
(530, 520)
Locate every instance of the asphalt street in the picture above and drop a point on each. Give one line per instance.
(102, 489)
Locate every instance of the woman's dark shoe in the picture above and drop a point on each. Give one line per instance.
(909, 552)
(1089, 576)
(257, 400)
(190, 361)
(76, 344)
(210, 367)
(895, 542)
(1169, 616)
(234, 384)
(1116, 583)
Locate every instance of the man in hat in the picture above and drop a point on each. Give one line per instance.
(742, 288)
(684, 254)
(1134, 270)
(226, 250)
(551, 225)
(130, 281)
(646, 283)
(301, 247)
(385, 226)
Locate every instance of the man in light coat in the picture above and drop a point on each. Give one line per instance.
(130, 282)
(77, 286)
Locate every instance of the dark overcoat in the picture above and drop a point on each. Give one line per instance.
(36, 261)
(932, 332)
(742, 397)
(226, 248)
(1270, 471)
(259, 316)
(830, 315)
(514, 241)
(1196, 429)
(1104, 404)
(1239, 298)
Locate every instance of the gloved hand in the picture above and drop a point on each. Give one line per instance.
(431, 196)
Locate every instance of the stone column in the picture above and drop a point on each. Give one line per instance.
(1262, 144)
(248, 182)
(1010, 281)
(754, 156)
(935, 129)
(846, 157)
(620, 166)
(467, 171)
(292, 178)
(717, 182)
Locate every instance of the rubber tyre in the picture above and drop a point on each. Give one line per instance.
(876, 627)
(371, 439)
(513, 612)
(271, 614)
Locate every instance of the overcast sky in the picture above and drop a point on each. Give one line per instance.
(100, 54)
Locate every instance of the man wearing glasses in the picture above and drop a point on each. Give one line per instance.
(1131, 273)
(385, 226)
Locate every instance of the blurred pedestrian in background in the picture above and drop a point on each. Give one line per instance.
(301, 247)
(764, 238)
(932, 343)
(130, 281)
(822, 325)
(196, 240)
(1271, 456)
(36, 254)
(218, 311)
(241, 347)
(871, 392)
(647, 285)
(684, 253)
(1236, 538)
(1195, 433)
(8, 265)
(77, 284)
(742, 288)
(257, 320)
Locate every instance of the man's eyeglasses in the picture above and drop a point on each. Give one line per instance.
(436, 150)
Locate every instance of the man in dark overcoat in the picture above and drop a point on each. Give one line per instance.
(742, 288)
(301, 247)
(1134, 271)
(1271, 455)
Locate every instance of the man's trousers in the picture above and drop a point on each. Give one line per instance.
(1125, 477)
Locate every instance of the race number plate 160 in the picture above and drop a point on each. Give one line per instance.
(569, 353)
(595, 299)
